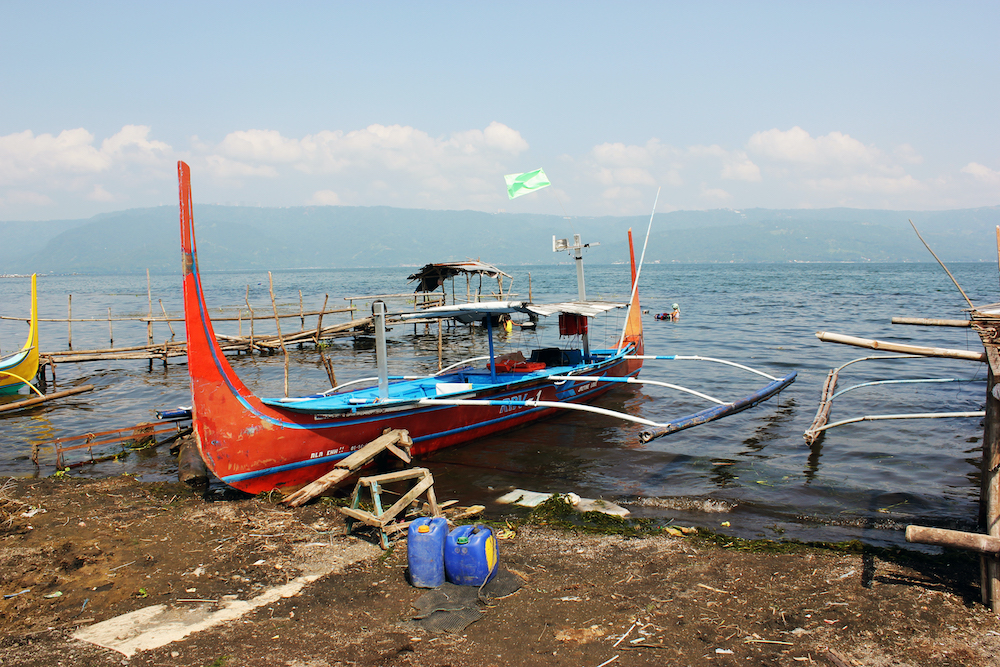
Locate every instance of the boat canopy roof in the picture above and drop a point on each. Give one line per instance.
(475, 310)
(588, 308)
(433, 275)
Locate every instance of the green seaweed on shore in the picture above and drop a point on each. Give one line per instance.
(558, 511)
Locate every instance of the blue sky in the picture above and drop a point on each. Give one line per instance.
(428, 104)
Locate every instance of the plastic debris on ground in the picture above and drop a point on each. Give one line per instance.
(451, 608)
(526, 498)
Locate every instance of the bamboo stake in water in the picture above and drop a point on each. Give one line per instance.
(439, 343)
(277, 322)
(111, 334)
(319, 321)
(69, 320)
(251, 319)
(942, 266)
(328, 365)
(302, 318)
(149, 323)
(169, 325)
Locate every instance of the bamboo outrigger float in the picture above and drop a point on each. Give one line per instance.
(261, 444)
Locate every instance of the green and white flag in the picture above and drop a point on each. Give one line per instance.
(522, 184)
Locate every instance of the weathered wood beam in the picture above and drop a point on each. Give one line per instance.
(984, 544)
(931, 322)
(828, 337)
(48, 397)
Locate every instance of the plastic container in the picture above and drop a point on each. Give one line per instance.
(471, 556)
(425, 540)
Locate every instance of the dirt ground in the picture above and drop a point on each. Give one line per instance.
(87, 551)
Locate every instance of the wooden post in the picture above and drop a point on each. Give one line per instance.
(251, 319)
(277, 322)
(439, 344)
(169, 325)
(529, 286)
(111, 334)
(69, 321)
(328, 365)
(319, 321)
(149, 324)
(302, 319)
(989, 503)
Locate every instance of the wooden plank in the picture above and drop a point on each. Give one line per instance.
(407, 498)
(349, 465)
(390, 477)
(48, 397)
(361, 515)
(899, 347)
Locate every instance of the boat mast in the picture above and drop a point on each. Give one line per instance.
(378, 316)
(581, 285)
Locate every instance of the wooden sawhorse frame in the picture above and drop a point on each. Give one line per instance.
(385, 520)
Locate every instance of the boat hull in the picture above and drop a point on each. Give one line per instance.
(256, 447)
(20, 368)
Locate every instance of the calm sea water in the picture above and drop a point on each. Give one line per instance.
(753, 470)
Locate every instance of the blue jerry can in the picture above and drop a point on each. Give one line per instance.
(471, 556)
(425, 551)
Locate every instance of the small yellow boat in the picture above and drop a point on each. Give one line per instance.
(20, 368)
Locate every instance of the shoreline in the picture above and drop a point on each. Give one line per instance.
(91, 550)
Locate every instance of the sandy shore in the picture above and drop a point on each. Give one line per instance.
(84, 552)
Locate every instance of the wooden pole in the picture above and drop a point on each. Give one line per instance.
(931, 322)
(439, 344)
(277, 322)
(989, 502)
(302, 318)
(169, 325)
(69, 321)
(529, 287)
(111, 334)
(41, 399)
(149, 323)
(956, 539)
(251, 319)
(319, 321)
(328, 365)
(828, 337)
(967, 300)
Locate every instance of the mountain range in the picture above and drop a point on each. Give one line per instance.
(240, 237)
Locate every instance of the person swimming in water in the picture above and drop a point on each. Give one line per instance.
(673, 315)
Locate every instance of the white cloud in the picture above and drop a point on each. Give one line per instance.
(798, 147)
(325, 198)
(132, 144)
(982, 173)
(24, 156)
(27, 197)
(72, 173)
(715, 195)
(100, 194)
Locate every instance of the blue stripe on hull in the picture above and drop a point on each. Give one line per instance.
(441, 434)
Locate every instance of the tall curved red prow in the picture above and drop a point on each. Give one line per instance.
(633, 325)
(236, 433)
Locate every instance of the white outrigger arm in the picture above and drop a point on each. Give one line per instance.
(656, 429)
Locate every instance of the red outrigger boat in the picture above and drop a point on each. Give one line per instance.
(259, 444)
